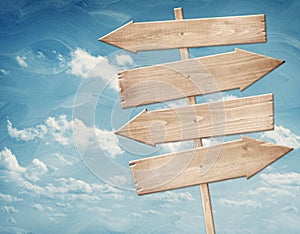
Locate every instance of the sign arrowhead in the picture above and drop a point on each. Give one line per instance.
(261, 154)
(121, 37)
(261, 65)
(137, 131)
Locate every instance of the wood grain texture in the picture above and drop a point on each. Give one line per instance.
(236, 116)
(207, 209)
(204, 188)
(241, 158)
(188, 33)
(238, 69)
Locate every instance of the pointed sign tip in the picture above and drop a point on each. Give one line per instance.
(128, 131)
(277, 62)
(140, 192)
(101, 39)
(113, 38)
(275, 152)
(271, 64)
(118, 132)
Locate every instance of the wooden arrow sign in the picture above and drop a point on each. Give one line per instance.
(236, 116)
(189, 78)
(238, 69)
(241, 158)
(188, 33)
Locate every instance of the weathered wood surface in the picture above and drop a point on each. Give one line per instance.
(204, 188)
(228, 117)
(238, 69)
(241, 158)
(188, 33)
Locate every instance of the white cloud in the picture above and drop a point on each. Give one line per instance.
(63, 205)
(9, 209)
(62, 160)
(290, 209)
(185, 145)
(136, 215)
(62, 60)
(241, 203)
(177, 146)
(219, 97)
(74, 185)
(272, 192)
(177, 103)
(27, 185)
(52, 220)
(38, 207)
(9, 161)
(82, 63)
(60, 189)
(119, 180)
(212, 141)
(59, 215)
(228, 97)
(279, 179)
(9, 198)
(65, 189)
(104, 188)
(42, 167)
(40, 55)
(99, 210)
(11, 220)
(278, 184)
(27, 134)
(22, 61)
(106, 140)
(151, 212)
(124, 59)
(86, 66)
(34, 171)
(283, 136)
(118, 206)
(172, 196)
(61, 129)
(4, 72)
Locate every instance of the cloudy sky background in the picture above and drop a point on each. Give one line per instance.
(62, 169)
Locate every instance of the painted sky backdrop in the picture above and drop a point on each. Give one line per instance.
(62, 169)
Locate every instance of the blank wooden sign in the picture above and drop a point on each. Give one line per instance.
(229, 117)
(188, 33)
(163, 82)
(241, 158)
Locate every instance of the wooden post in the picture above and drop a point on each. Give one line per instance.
(206, 203)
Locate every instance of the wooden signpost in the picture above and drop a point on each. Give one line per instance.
(188, 78)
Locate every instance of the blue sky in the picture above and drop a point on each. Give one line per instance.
(62, 169)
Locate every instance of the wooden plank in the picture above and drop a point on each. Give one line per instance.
(188, 33)
(204, 188)
(241, 158)
(238, 69)
(229, 117)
